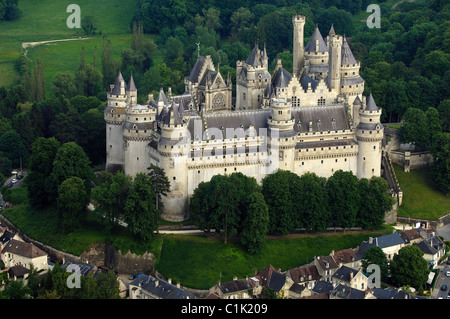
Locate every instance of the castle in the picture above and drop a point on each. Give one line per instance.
(313, 120)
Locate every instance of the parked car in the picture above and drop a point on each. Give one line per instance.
(447, 273)
(14, 181)
(444, 287)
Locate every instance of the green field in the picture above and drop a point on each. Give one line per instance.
(45, 20)
(421, 199)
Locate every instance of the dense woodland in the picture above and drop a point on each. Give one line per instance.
(406, 65)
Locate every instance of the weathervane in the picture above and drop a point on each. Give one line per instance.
(198, 49)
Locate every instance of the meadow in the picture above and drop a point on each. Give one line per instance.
(421, 198)
(45, 20)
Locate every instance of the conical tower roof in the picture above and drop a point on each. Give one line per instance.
(131, 85)
(311, 46)
(116, 88)
(371, 105)
(346, 54)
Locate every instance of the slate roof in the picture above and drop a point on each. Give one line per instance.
(371, 105)
(322, 287)
(347, 56)
(327, 262)
(345, 256)
(131, 85)
(382, 242)
(344, 273)
(7, 236)
(281, 78)
(345, 292)
(195, 72)
(409, 235)
(277, 281)
(311, 46)
(255, 58)
(325, 118)
(391, 293)
(305, 80)
(116, 89)
(23, 249)
(83, 268)
(161, 288)
(235, 286)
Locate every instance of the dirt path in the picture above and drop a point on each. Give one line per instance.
(26, 45)
(395, 5)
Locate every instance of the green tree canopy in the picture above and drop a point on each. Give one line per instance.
(72, 201)
(408, 267)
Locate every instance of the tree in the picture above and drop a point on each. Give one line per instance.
(140, 212)
(12, 147)
(415, 129)
(344, 198)
(277, 194)
(441, 165)
(16, 289)
(41, 165)
(108, 66)
(70, 161)
(89, 25)
(72, 201)
(160, 183)
(375, 255)
(111, 197)
(375, 202)
(64, 85)
(312, 202)
(200, 207)
(408, 267)
(94, 141)
(255, 223)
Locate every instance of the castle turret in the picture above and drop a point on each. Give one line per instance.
(298, 44)
(137, 134)
(115, 116)
(352, 83)
(131, 92)
(174, 149)
(369, 134)
(317, 56)
(334, 62)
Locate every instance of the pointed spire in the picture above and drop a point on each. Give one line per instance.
(316, 36)
(347, 56)
(371, 105)
(131, 85)
(117, 85)
(332, 32)
(265, 57)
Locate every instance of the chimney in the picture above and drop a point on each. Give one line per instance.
(169, 280)
(351, 275)
(235, 277)
(370, 240)
(156, 283)
(178, 285)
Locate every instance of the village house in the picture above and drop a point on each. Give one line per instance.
(411, 236)
(346, 257)
(326, 266)
(390, 244)
(19, 253)
(350, 277)
(149, 287)
(235, 289)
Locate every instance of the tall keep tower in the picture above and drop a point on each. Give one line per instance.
(369, 134)
(115, 114)
(334, 59)
(298, 45)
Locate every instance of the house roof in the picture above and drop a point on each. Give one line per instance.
(83, 268)
(409, 235)
(391, 293)
(161, 288)
(277, 281)
(385, 241)
(322, 287)
(23, 249)
(297, 288)
(346, 292)
(327, 262)
(235, 286)
(345, 256)
(304, 274)
(266, 274)
(18, 271)
(344, 273)
(7, 235)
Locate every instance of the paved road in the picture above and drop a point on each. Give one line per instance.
(444, 232)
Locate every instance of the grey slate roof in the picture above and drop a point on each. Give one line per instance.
(382, 242)
(305, 80)
(311, 46)
(322, 287)
(391, 293)
(235, 286)
(345, 292)
(7, 236)
(131, 85)
(281, 78)
(346, 54)
(195, 72)
(277, 281)
(325, 118)
(254, 59)
(116, 89)
(371, 105)
(85, 269)
(161, 288)
(344, 272)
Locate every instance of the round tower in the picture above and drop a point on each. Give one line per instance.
(114, 116)
(369, 134)
(137, 134)
(281, 141)
(174, 150)
(352, 84)
(317, 56)
(334, 61)
(298, 22)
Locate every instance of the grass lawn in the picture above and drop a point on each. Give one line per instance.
(421, 199)
(199, 263)
(46, 20)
